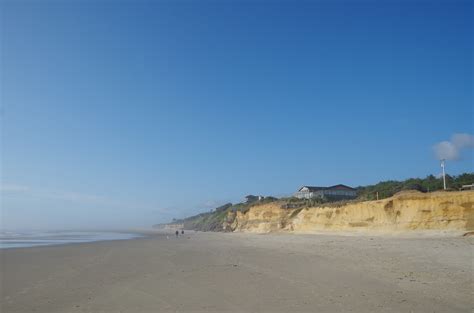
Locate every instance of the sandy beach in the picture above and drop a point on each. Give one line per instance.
(218, 272)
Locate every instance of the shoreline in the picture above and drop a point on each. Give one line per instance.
(49, 235)
(152, 233)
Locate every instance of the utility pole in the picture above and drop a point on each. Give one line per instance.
(444, 173)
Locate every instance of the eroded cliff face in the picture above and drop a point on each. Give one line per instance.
(402, 212)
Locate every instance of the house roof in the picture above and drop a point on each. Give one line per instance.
(337, 187)
(312, 188)
(341, 186)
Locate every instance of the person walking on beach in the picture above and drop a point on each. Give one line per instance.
(177, 234)
(182, 232)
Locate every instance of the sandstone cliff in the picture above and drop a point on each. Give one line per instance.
(402, 212)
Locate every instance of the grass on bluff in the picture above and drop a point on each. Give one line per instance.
(214, 220)
(430, 183)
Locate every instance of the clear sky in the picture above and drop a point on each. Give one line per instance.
(128, 113)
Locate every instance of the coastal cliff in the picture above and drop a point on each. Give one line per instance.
(405, 211)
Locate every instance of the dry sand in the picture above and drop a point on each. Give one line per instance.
(216, 272)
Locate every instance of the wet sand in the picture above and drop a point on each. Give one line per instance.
(216, 272)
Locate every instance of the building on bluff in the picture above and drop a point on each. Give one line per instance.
(336, 192)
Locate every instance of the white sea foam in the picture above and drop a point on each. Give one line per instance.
(24, 239)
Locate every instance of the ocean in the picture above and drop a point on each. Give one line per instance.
(25, 239)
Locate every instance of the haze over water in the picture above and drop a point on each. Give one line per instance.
(14, 239)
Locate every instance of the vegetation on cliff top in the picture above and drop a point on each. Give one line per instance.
(214, 219)
(430, 183)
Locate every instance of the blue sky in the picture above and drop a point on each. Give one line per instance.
(129, 113)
